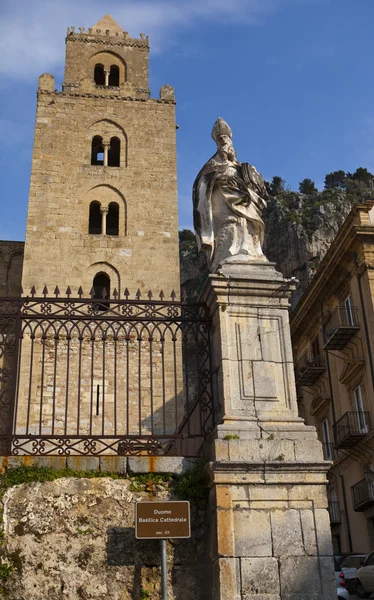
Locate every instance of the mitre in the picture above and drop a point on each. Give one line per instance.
(220, 127)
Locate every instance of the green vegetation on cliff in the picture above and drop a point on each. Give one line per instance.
(309, 207)
(299, 226)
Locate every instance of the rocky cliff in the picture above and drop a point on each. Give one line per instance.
(299, 227)
(298, 236)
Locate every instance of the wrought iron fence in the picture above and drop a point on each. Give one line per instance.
(90, 377)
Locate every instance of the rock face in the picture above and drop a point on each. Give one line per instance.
(298, 233)
(73, 539)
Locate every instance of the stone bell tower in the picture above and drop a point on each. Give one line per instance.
(103, 193)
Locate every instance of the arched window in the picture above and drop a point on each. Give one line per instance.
(112, 219)
(101, 288)
(99, 75)
(95, 220)
(114, 76)
(114, 152)
(97, 151)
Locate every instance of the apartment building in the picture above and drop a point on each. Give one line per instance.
(332, 331)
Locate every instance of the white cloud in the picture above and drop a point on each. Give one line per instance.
(33, 32)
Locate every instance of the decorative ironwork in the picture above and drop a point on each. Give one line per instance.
(341, 326)
(363, 493)
(351, 428)
(83, 377)
(309, 368)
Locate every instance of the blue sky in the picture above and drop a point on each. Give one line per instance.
(294, 79)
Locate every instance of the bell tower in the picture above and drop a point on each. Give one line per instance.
(103, 192)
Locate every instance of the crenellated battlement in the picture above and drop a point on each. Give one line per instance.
(106, 30)
(98, 34)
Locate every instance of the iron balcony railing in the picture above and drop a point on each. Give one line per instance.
(341, 326)
(334, 512)
(363, 493)
(309, 368)
(351, 428)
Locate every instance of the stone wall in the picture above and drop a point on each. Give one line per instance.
(73, 538)
(59, 250)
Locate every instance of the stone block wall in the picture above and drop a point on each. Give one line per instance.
(84, 50)
(59, 250)
(273, 539)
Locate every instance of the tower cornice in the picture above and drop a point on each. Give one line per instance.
(106, 38)
(42, 92)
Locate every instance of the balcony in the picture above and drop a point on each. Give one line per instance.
(334, 512)
(352, 427)
(363, 493)
(309, 368)
(341, 326)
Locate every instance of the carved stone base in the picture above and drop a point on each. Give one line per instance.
(272, 539)
(243, 266)
(270, 532)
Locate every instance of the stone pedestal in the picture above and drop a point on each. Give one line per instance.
(270, 528)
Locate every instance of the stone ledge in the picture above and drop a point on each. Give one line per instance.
(160, 464)
(105, 464)
(271, 466)
(271, 473)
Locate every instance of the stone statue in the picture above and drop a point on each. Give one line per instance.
(228, 200)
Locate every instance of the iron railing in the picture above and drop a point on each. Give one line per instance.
(363, 493)
(309, 368)
(334, 512)
(351, 428)
(88, 377)
(341, 326)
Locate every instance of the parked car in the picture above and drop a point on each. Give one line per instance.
(349, 563)
(365, 578)
(341, 589)
(343, 593)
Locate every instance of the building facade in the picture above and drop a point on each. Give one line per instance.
(103, 194)
(332, 331)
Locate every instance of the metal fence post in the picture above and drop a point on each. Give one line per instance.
(164, 571)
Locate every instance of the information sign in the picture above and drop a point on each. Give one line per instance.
(162, 520)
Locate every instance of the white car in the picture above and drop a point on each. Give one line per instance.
(349, 563)
(365, 578)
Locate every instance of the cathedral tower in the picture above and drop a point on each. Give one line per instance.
(103, 193)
